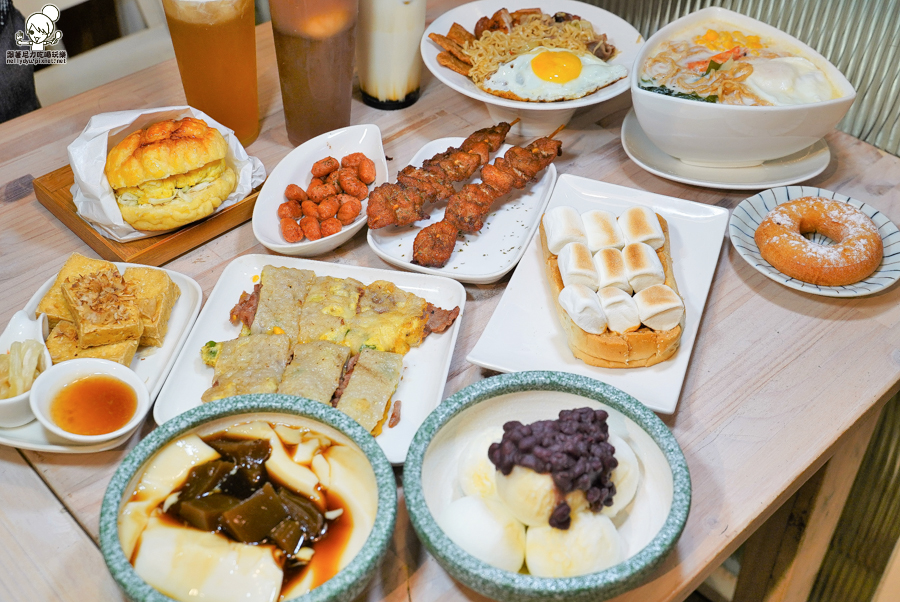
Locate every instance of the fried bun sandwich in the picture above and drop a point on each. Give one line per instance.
(170, 174)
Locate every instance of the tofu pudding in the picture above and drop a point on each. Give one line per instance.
(254, 510)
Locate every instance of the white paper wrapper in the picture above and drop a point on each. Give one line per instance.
(92, 193)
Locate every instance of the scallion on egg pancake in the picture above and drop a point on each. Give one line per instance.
(348, 348)
(374, 379)
(387, 319)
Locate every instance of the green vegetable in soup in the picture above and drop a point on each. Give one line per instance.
(713, 66)
(675, 94)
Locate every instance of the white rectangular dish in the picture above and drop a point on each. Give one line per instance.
(479, 258)
(524, 332)
(425, 368)
(152, 364)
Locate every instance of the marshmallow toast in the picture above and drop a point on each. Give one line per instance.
(636, 349)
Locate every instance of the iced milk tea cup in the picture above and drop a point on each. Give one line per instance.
(387, 52)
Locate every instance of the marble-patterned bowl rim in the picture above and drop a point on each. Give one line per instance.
(601, 585)
(335, 588)
(750, 213)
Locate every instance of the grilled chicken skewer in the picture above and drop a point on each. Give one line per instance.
(402, 203)
(467, 208)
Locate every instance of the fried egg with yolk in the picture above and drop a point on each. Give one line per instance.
(552, 74)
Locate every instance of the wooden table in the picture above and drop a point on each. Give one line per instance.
(779, 382)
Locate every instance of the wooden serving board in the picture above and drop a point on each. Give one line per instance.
(53, 192)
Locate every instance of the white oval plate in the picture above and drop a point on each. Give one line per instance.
(619, 32)
(792, 169)
(152, 364)
(294, 169)
(747, 216)
(479, 258)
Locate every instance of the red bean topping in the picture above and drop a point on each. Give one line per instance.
(573, 449)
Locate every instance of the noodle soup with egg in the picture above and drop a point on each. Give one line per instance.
(718, 62)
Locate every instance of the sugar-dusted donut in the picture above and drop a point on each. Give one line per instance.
(857, 251)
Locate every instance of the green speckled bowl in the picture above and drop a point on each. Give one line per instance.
(652, 523)
(347, 584)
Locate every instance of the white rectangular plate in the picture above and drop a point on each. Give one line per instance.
(478, 258)
(524, 332)
(152, 364)
(425, 367)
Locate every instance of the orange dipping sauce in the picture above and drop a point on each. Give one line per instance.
(93, 405)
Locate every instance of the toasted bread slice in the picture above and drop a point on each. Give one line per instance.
(640, 348)
(154, 295)
(63, 345)
(76, 265)
(445, 59)
(450, 46)
(102, 307)
(460, 35)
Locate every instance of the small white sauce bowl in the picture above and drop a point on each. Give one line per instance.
(48, 385)
(16, 411)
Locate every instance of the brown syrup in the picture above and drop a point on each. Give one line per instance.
(326, 560)
(325, 563)
(93, 405)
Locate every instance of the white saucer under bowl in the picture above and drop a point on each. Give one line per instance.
(792, 169)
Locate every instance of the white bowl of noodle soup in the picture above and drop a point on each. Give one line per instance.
(734, 135)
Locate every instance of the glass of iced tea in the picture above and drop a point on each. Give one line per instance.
(315, 43)
(215, 46)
